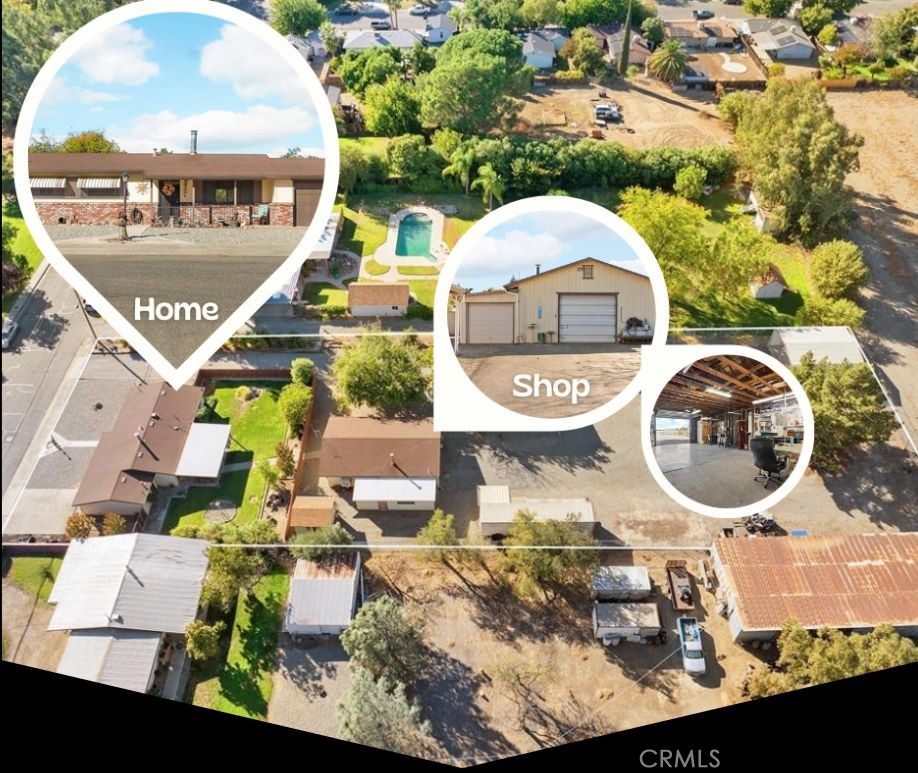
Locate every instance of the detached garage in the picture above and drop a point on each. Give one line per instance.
(324, 595)
(488, 317)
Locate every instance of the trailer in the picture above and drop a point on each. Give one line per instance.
(621, 583)
(681, 585)
(639, 623)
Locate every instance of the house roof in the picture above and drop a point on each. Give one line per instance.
(142, 582)
(322, 592)
(772, 274)
(700, 30)
(204, 166)
(378, 294)
(839, 581)
(402, 489)
(836, 343)
(534, 42)
(541, 510)
(611, 37)
(202, 456)
(518, 282)
(775, 34)
(117, 658)
(441, 21)
(356, 40)
(312, 512)
(355, 446)
(149, 437)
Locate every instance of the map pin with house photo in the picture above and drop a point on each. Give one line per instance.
(176, 167)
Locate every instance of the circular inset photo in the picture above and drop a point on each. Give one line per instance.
(173, 160)
(550, 304)
(729, 431)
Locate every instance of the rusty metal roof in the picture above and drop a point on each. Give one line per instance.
(839, 581)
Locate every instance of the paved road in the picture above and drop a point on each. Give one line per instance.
(53, 332)
(673, 10)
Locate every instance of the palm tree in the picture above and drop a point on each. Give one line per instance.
(491, 184)
(461, 164)
(668, 61)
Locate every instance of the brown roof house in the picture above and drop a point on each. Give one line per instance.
(378, 299)
(389, 464)
(204, 188)
(611, 38)
(155, 442)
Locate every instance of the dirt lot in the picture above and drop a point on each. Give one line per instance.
(654, 116)
(26, 638)
(609, 368)
(573, 688)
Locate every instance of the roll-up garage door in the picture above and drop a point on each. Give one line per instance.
(586, 318)
(490, 323)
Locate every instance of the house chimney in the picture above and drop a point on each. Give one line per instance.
(538, 268)
(194, 141)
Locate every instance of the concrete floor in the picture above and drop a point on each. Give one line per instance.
(609, 368)
(711, 475)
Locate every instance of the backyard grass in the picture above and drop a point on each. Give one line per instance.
(244, 683)
(246, 488)
(423, 291)
(364, 230)
(23, 244)
(377, 145)
(374, 268)
(418, 270)
(256, 425)
(35, 574)
(324, 294)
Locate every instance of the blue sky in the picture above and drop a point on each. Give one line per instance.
(672, 423)
(551, 239)
(148, 82)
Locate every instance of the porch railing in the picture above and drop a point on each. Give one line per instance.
(216, 215)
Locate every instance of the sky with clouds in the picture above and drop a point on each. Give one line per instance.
(149, 82)
(551, 239)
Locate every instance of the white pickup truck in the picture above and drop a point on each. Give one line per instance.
(690, 644)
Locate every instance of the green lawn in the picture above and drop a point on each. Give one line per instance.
(364, 230)
(244, 487)
(418, 270)
(377, 145)
(375, 268)
(24, 244)
(35, 574)
(244, 684)
(257, 426)
(324, 294)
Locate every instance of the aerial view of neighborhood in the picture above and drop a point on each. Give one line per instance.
(287, 537)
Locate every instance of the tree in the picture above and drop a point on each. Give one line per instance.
(808, 659)
(653, 30)
(830, 311)
(460, 166)
(494, 14)
(392, 108)
(270, 473)
(297, 17)
(231, 571)
(202, 641)
(837, 269)
(544, 568)
(584, 52)
(420, 59)
(333, 534)
(579, 13)
(439, 533)
(446, 142)
(79, 526)
(848, 408)
(382, 372)
(491, 185)
(624, 58)
(113, 523)
(88, 142)
(285, 461)
(798, 156)
(476, 83)
(775, 9)
(361, 69)
(836, 6)
(540, 13)
(15, 265)
(301, 371)
(828, 35)
(668, 61)
(893, 36)
(734, 105)
(378, 713)
(814, 17)
(690, 182)
(411, 158)
(294, 402)
(384, 640)
(738, 255)
(332, 40)
(850, 55)
(354, 167)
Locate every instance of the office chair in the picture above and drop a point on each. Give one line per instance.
(770, 465)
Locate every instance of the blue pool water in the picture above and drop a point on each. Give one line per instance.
(413, 239)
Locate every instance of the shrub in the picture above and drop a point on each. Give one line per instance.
(901, 73)
(837, 269)
(334, 534)
(285, 460)
(113, 523)
(733, 105)
(243, 393)
(419, 312)
(828, 35)
(207, 409)
(79, 526)
(301, 370)
(293, 402)
(826, 311)
(333, 312)
(776, 70)
(690, 182)
(570, 75)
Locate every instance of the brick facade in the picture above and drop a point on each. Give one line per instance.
(108, 212)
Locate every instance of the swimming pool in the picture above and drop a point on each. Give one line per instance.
(413, 239)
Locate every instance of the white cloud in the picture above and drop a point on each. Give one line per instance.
(252, 68)
(567, 226)
(222, 130)
(120, 56)
(513, 254)
(88, 97)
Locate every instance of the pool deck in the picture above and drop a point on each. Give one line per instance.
(386, 253)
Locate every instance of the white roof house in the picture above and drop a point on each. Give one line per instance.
(837, 343)
(124, 659)
(538, 50)
(324, 595)
(202, 456)
(778, 38)
(360, 40)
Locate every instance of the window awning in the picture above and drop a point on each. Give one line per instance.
(47, 182)
(87, 183)
(395, 490)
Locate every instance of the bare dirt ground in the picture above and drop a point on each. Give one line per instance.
(571, 686)
(654, 116)
(26, 638)
(886, 229)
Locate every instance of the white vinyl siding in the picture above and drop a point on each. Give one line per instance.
(490, 323)
(587, 318)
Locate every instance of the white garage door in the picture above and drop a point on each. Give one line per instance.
(490, 323)
(587, 318)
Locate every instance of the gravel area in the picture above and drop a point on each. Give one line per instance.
(272, 235)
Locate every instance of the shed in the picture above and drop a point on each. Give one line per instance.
(324, 595)
(621, 583)
(835, 343)
(496, 517)
(310, 512)
(770, 285)
(628, 621)
(378, 299)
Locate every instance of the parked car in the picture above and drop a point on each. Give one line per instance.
(345, 9)
(381, 24)
(91, 310)
(733, 2)
(702, 14)
(10, 328)
(419, 10)
(690, 645)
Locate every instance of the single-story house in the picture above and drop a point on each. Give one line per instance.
(361, 40)
(388, 464)
(309, 46)
(556, 34)
(204, 188)
(776, 39)
(497, 509)
(120, 598)
(770, 285)
(378, 299)
(852, 582)
(308, 513)
(439, 28)
(835, 343)
(611, 38)
(538, 50)
(702, 35)
(155, 442)
(324, 595)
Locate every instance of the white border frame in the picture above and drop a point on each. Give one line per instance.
(175, 376)
(670, 361)
(459, 406)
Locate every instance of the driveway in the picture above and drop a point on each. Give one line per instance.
(608, 368)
